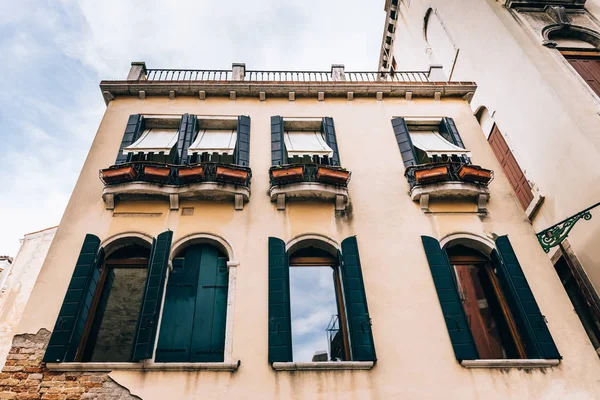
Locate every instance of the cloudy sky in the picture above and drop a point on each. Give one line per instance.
(53, 54)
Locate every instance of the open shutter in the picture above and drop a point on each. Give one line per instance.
(329, 132)
(132, 133)
(452, 308)
(278, 155)
(404, 141)
(151, 302)
(280, 324)
(187, 130)
(242, 145)
(531, 322)
(359, 321)
(449, 132)
(73, 314)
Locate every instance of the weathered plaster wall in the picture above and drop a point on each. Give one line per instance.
(410, 336)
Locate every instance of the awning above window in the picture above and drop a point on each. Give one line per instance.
(435, 145)
(155, 140)
(214, 141)
(306, 144)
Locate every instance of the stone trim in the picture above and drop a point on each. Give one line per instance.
(141, 366)
(450, 190)
(309, 190)
(509, 363)
(323, 366)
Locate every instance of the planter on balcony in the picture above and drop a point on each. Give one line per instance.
(157, 173)
(119, 174)
(293, 174)
(332, 176)
(191, 174)
(435, 174)
(232, 175)
(472, 173)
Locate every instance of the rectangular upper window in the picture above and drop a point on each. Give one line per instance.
(214, 141)
(154, 140)
(311, 143)
(429, 144)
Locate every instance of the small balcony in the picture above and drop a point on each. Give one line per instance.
(449, 180)
(151, 180)
(309, 182)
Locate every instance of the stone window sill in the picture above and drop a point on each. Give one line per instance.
(509, 363)
(311, 191)
(149, 366)
(323, 366)
(451, 190)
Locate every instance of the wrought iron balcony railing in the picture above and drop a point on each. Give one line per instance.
(294, 173)
(438, 172)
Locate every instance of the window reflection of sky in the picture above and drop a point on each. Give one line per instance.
(313, 302)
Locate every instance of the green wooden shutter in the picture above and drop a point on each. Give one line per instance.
(208, 338)
(151, 302)
(329, 131)
(449, 132)
(278, 153)
(242, 146)
(74, 312)
(452, 308)
(357, 311)
(178, 312)
(280, 324)
(531, 322)
(135, 126)
(404, 141)
(186, 135)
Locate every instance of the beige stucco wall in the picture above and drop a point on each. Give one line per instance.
(415, 357)
(548, 114)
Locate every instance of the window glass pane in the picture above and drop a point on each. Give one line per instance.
(314, 309)
(121, 303)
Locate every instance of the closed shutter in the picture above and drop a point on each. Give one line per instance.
(449, 132)
(151, 302)
(589, 69)
(531, 322)
(75, 309)
(357, 311)
(242, 148)
(452, 308)
(278, 154)
(208, 336)
(404, 141)
(329, 132)
(280, 324)
(135, 126)
(511, 168)
(187, 131)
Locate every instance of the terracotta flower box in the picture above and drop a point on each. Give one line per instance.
(435, 174)
(120, 174)
(471, 173)
(232, 175)
(333, 176)
(158, 173)
(293, 174)
(195, 173)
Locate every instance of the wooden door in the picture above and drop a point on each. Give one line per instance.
(511, 168)
(588, 68)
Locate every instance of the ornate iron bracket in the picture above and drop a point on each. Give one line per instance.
(554, 235)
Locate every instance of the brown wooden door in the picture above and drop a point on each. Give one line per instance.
(511, 168)
(588, 68)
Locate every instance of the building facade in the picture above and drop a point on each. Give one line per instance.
(207, 196)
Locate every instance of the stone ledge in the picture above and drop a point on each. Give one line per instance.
(509, 363)
(132, 366)
(323, 366)
(451, 190)
(309, 191)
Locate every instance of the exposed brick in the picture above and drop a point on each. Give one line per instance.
(28, 396)
(7, 395)
(12, 368)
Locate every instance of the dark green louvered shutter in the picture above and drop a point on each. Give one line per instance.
(278, 154)
(329, 132)
(404, 141)
(132, 133)
(529, 319)
(178, 312)
(357, 311)
(242, 146)
(74, 312)
(186, 135)
(280, 324)
(452, 308)
(449, 132)
(151, 302)
(208, 337)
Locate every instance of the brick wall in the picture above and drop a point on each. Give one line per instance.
(25, 377)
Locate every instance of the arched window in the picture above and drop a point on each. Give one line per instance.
(441, 49)
(195, 309)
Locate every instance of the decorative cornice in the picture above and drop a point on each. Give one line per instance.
(544, 3)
